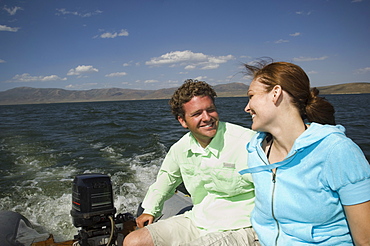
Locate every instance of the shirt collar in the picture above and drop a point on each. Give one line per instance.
(215, 146)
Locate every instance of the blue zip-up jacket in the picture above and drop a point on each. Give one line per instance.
(302, 203)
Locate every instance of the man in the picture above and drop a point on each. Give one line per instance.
(207, 160)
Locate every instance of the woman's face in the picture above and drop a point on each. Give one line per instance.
(260, 106)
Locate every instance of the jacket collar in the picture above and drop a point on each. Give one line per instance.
(315, 133)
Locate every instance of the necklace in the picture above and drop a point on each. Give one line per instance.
(268, 152)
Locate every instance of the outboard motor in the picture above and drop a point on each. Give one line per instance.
(92, 200)
(93, 210)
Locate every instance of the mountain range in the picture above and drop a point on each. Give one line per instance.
(28, 95)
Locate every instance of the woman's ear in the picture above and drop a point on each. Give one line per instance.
(277, 93)
(182, 121)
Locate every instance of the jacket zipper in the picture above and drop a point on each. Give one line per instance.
(273, 196)
(273, 192)
(272, 204)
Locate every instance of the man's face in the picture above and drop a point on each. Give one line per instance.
(201, 118)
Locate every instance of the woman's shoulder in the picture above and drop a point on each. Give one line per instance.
(334, 135)
(318, 133)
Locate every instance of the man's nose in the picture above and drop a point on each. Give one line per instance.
(206, 116)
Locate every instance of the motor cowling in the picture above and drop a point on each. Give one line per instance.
(92, 200)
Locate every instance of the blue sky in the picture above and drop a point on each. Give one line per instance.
(142, 44)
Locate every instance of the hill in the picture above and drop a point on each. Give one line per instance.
(28, 95)
(348, 88)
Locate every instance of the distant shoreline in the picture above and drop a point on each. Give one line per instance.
(28, 95)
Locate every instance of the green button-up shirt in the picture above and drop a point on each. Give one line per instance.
(222, 199)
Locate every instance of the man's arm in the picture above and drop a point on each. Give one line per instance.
(168, 178)
(358, 217)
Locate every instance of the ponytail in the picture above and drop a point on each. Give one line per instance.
(318, 109)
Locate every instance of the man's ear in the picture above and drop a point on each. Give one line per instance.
(182, 121)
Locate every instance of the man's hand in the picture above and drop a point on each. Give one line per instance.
(142, 219)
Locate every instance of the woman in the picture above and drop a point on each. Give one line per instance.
(312, 182)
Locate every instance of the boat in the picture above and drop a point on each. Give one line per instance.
(93, 213)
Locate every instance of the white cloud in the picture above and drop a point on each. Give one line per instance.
(190, 67)
(2, 61)
(149, 81)
(177, 57)
(189, 60)
(200, 78)
(121, 33)
(303, 13)
(52, 78)
(12, 11)
(131, 63)
(65, 12)
(304, 59)
(220, 59)
(281, 41)
(210, 66)
(26, 77)
(295, 34)
(82, 69)
(356, 1)
(118, 74)
(9, 29)
(88, 14)
(363, 70)
(81, 86)
(312, 72)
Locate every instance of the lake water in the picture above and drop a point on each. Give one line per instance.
(43, 147)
